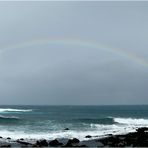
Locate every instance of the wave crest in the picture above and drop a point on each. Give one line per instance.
(8, 120)
(131, 121)
(14, 110)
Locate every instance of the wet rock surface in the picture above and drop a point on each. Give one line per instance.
(66, 129)
(88, 136)
(42, 143)
(136, 139)
(55, 143)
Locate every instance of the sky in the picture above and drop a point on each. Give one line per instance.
(73, 53)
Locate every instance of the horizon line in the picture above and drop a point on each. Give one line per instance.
(73, 105)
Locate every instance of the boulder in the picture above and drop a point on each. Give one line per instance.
(66, 129)
(23, 142)
(88, 136)
(72, 142)
(6, 145)
(55, 143)
(42, 143)
(142, 130)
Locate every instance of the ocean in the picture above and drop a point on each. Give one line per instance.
(49, 122)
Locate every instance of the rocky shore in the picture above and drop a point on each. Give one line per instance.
(135, 139)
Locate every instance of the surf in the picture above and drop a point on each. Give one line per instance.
(14, 110)
(132, 121)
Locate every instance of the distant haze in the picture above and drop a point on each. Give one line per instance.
(51, 53)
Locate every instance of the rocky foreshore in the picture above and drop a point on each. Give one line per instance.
(134, 139)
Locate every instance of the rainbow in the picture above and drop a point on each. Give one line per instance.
(80, 43)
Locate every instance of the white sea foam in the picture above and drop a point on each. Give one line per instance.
(50, 136)
(132, 121)
(123, 126)
(8, 117)
(97, 131)
(14, 110)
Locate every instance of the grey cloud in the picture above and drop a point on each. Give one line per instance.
(66, 74)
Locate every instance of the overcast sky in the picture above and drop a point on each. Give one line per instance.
(71, 73)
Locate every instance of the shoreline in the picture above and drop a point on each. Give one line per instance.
(139, 138)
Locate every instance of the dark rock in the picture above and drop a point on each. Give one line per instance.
(42, 143)
(6, 145)
(34, 145)
(74, 140)
(135, 139)
(71, 142)
(9, 138)
(142, 129)
(68, 145)
(1, 137)
(55, 143)
(21, 139)
(66, 129)
(110, 141)
(88, 136)
(109, 135)
(121, 144)
(23, 142)
(37, 143)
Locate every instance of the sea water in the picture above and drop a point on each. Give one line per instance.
(49, 122)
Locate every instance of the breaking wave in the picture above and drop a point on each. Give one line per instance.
(14, 110)
(7, 120)
(132, 121)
